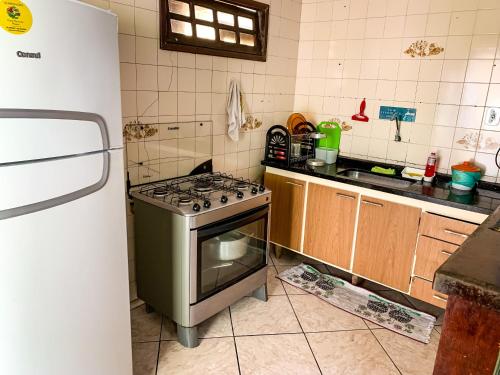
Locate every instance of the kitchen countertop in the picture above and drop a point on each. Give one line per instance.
(474, 277)
(484, 200)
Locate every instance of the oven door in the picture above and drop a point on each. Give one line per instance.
(228, 251)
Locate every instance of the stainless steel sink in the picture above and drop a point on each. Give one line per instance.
(375, 179)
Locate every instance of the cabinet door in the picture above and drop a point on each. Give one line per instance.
(287, 210)
(385, 242)
(329, 229)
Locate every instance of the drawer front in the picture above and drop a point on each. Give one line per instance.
(422, 290)
(431, 253)
(446, 229)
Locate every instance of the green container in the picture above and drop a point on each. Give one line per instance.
(332, 140)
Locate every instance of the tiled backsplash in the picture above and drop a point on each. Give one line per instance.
(166, 150)
(355, 49)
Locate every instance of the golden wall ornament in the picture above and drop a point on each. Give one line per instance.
(135, 131)
(422, 48)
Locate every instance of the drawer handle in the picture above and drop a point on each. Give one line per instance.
(340, 195)
(293, 183)
(449, 231)
(446, 252)
(373, 204)
(439, 298)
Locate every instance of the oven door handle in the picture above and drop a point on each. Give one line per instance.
(233, 222)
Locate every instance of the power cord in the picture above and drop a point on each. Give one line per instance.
(496, 158)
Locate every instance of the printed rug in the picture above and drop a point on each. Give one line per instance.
(361, 302)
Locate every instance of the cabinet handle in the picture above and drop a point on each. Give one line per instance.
(293, 183)
(446, 252)
(340, 195)
(439, 298)
(373, 204)
(449, 231)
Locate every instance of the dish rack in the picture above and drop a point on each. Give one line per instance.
(285, 148)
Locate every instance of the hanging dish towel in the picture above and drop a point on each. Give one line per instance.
(235, 115)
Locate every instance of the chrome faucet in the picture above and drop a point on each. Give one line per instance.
(397, 137)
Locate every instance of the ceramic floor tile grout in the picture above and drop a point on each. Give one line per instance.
(234, 340)
(159, 346)
(385, 351)
(305, 336)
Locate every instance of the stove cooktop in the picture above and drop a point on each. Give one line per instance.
(198, 194)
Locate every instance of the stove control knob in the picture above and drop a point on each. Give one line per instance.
(239, 195)
(207, 204)
(223, 199)
(254, 190)
(262, 188)
(196, 207)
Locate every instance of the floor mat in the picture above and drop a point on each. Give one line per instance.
(361, 302)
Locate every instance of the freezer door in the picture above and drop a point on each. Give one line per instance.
(40, 134)
(77, 68)
(64, 285)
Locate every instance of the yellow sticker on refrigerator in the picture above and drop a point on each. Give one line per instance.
(15, 17)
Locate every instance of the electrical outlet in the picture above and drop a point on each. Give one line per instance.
(492, 117)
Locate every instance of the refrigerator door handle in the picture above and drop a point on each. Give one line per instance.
(63, 199)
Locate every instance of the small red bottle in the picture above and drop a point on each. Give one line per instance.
(430, 168)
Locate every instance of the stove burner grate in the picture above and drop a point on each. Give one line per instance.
(185, 200)
(160, 191)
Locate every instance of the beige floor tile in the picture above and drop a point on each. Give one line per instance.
(410, 356)
(275, 354)
(144, 356)
(145, 327)
(274, 285)
(316, 315)
(350, 352)
(372, 325)
(251, 316)
(212, 356)
(217, 326)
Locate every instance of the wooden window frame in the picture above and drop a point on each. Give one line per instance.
(178, 42)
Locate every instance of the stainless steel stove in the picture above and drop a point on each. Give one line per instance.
(201, 244)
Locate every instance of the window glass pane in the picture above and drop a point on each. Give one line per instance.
(205, 32)
(225, 18)
(203, 13)
(178, 7)
(245, 23)
(227, 36)
(181, 27)
(247, 39)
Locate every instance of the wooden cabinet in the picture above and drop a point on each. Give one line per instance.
(446, 229)
(385, 243)
(422, 290)
(431, 253)
(287, 210)
(330, 220)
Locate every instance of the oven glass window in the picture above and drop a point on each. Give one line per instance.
(230, 256)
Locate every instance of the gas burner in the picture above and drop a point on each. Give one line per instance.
(202, 187)
(160, 191)
(241, 185)
(217, 180)
(184, 200)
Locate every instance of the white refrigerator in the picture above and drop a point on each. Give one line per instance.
(64, 299)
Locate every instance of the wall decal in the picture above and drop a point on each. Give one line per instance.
(422, 48)
(136, 130)
(403, 114)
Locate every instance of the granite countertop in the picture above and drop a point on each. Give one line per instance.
(471, 276)
(485, 199)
